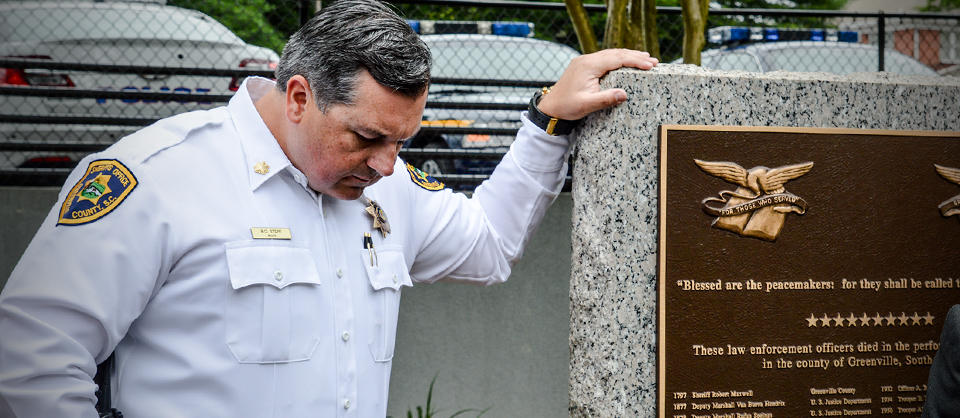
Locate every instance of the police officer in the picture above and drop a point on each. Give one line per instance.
(943, 383)
(247, 261)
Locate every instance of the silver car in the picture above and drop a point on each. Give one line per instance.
(811, 56)
(108, 33)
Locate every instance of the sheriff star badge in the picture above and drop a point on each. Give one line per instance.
(379, 217)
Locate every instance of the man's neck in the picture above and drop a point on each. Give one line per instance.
(271, 108)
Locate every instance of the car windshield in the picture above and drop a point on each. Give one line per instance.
(734, 60)
(499, 59)
(840, 61)
(117, 22)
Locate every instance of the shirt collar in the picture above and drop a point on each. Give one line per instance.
(260, 148)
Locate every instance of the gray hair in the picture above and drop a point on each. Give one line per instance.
(348, 36)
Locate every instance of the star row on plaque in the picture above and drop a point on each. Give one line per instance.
(865, 320)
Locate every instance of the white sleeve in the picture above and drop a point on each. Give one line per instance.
(477, 240)
(70, 300)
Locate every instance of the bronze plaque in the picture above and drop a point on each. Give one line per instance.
(804, 272)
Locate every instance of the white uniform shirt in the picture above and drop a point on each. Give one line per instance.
(206, 320)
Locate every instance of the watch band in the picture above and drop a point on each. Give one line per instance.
(551, 125)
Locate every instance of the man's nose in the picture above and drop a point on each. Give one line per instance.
(383, 159)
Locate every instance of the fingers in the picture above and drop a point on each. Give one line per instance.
(578, 93)
(603, 99)
(612, 59)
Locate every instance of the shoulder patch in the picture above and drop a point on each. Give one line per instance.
(423, 180)
(101, 189)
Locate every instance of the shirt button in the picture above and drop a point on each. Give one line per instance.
(346, 404)
(345, 336)
(339, 272)
(395, 279)
(278, 275)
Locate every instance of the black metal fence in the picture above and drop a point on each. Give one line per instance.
(78, 75)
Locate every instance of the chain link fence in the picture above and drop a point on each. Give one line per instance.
(78, 75)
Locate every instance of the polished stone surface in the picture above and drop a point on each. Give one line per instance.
(613, 284)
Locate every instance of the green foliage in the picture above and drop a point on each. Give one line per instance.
(781, 22)
(286, 15)
(775, 4)
(429, 412)
(246, 18)
(940, 5)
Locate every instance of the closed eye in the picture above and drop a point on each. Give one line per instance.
(366, 138)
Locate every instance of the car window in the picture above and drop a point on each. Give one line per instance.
(901, 64)
(493, 59)
(839, 61)
(97, 23)
(831, 60)
(735, 60)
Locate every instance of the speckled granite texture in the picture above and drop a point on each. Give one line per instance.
(613, 288)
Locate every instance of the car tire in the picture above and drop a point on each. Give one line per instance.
(435, 166)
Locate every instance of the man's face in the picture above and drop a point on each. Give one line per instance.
(350, 147)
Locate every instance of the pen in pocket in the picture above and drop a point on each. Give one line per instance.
(368, 244)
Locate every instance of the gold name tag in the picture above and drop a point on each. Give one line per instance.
(270, 233)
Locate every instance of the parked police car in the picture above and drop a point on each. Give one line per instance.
(108, 33)
(500, 67)
(804, 50)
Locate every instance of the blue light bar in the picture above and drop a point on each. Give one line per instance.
(520, 29)
(454, 26)
(830, 35)
(738, 35)
(715, 35)
(429, 27)
(847, 36)
(771, 34)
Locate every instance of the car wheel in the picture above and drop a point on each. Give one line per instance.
(435, 166)
(431, 167)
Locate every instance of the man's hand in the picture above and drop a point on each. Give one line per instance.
(578, 92)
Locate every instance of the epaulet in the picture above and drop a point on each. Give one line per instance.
(165, 133)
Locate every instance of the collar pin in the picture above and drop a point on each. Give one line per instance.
(261, 168)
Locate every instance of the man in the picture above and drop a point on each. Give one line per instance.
(943, 383)
(247, 261)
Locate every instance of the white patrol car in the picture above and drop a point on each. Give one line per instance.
(804, 50)
(498, 64)
(104, 34)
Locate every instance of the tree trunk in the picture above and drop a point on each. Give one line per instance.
(694, 26)
(635, 33)
(645, 12)
(615, 35)
(581, 25)
(630, 24)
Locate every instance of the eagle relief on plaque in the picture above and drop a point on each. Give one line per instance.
(950, 206)
(760, 204)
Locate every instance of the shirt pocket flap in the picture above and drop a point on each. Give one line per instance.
(388, 269)
(275, 266)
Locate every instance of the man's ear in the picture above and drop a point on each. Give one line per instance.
(298, 97)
